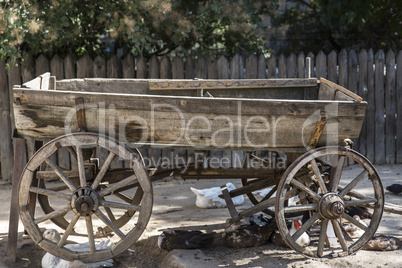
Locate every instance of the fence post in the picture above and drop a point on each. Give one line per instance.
(370, 114)
(390, 109)
(399, 108)
(379, 108)
(362, 92)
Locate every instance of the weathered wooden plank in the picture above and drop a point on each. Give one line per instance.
(281, 66)
(251, 67)
(177, 68)
(154, 71)
(6, 146)
(362, 91)
(201, 70)
(13, 221)
(236, 67)
(291, 66)
(390, 109)
(69, 67)
(301, 66)
(85, 66)
(312, 59)
(56, 67)
(399, 108)
(272, 67)
(379, 108)
(99, 67)
(142, 68)
(343, 68)
(370, 116)
(321, 63)
(165, 68)
(342, 89)
(231, 84)
(42, 65)
(128, 66)
(113, 67)
(332, 67)
(223, 68)
(262, 67)
(352, 85)
(212, 67)
(168, 131)
(190, 69)
(27, 68)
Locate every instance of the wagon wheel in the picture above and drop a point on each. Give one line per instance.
(86, 205)
(120, 221)
(337, 191)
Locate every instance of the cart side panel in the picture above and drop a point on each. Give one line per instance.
(187, 122)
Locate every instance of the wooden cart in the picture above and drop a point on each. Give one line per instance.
(300, 127)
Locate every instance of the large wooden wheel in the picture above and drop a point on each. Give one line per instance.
(90, 203)
(328, 194)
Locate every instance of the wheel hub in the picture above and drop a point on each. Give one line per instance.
(331, 206)
(85, 201)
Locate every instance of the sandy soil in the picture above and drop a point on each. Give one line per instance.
(174, 207)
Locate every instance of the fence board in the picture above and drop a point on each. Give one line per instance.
(399, 108)
(6, 146)
(251, 67)
(177, 68)
(166, 68)
(113, 67)
(370, 114)
(332, 67)
(201, 70)
(362, 92)
(301, 65)
(212, 68)
(281, 66)
(291, 66)
(236, 67)
(190, 74)
(390, 108)
(272, 67)
(223, 68)
(85, 67)
(312, 68)
(27, 68)
(42, 65)
(99, 67)
(69, 67)
(379, 108)
(261, 67)
(142, 69)
(343, 68)
(128, 66)
(321, 63)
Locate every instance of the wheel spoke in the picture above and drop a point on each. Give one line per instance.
(355, 222)
(117, 185)
(323, 237)
(68, 230)
(81, 167)
(53, 214)
(273, 190)
(300, 208)
(61, 174)
(360, 202)
(72, 152)
(110, 224)
(112, 204)
(339, 234)
(123, 197)
(318, 176)
(306, 226)
(354, 183)
(110, 214)
(91, 238)
(103, 170)
(336, 172)
(50, 193)
(305, 189)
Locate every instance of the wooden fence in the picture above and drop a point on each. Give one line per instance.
(376, 77)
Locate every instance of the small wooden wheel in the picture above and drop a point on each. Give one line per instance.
(90, 203)
(327, 205)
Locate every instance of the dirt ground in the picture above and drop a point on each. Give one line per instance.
(174, 207)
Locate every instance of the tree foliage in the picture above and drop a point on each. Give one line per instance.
(143, 27)
(326, 24)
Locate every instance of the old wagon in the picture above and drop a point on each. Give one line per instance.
(292, 135)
